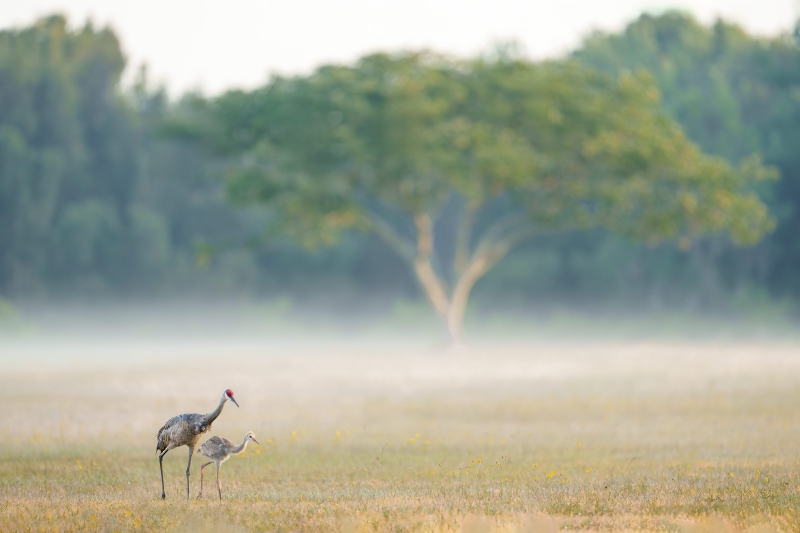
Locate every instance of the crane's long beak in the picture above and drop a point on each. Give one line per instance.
(234, 401)
(254, 440)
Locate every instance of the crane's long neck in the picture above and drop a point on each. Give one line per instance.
(240, 448)
(210, 417)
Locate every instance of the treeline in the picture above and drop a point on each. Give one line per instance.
(94, 203)
(103, 198)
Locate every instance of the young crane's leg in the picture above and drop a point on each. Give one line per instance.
(201, 478)
(188, 466)
(161, 467)
(219, 486)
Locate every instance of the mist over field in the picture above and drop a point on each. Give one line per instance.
(512, 437)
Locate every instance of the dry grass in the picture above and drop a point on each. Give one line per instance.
(497, 438)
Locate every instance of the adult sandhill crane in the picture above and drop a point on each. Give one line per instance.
(219, 450)
(185, 430)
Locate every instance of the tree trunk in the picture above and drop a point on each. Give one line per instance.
(431, 284)
(452, 307)
(423, 267)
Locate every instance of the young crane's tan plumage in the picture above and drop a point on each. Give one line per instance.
(185, 430)
(219, 450)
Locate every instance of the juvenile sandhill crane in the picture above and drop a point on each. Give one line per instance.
(185, 430)
(219, 450)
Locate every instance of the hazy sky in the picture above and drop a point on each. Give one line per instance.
(213, 45)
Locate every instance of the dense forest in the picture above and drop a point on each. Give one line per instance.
(112, 193)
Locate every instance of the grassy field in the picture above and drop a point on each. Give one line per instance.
(492, 438)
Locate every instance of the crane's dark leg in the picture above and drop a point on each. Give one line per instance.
(188, 466)
(201, 478)
(219, 485)
(161, 467)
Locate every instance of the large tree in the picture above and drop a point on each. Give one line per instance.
(518, 149)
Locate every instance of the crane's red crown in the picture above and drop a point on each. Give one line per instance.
(229, 393)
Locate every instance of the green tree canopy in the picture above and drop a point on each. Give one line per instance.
(389, 143)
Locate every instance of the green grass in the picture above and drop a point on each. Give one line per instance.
(496, 438)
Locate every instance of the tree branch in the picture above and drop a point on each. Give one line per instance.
(458, 306)
(511, 241)
(430, 282)
(391, 237)
(498, 232)
(464, 237)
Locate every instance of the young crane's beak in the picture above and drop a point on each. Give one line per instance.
(254, 440)
(234, 401)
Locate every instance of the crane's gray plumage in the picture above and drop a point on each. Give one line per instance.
(185, 430)
(219, 450)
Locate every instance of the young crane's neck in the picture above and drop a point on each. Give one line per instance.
(210, 417)
(240, 448)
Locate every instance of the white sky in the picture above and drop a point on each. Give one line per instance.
(214, 45)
